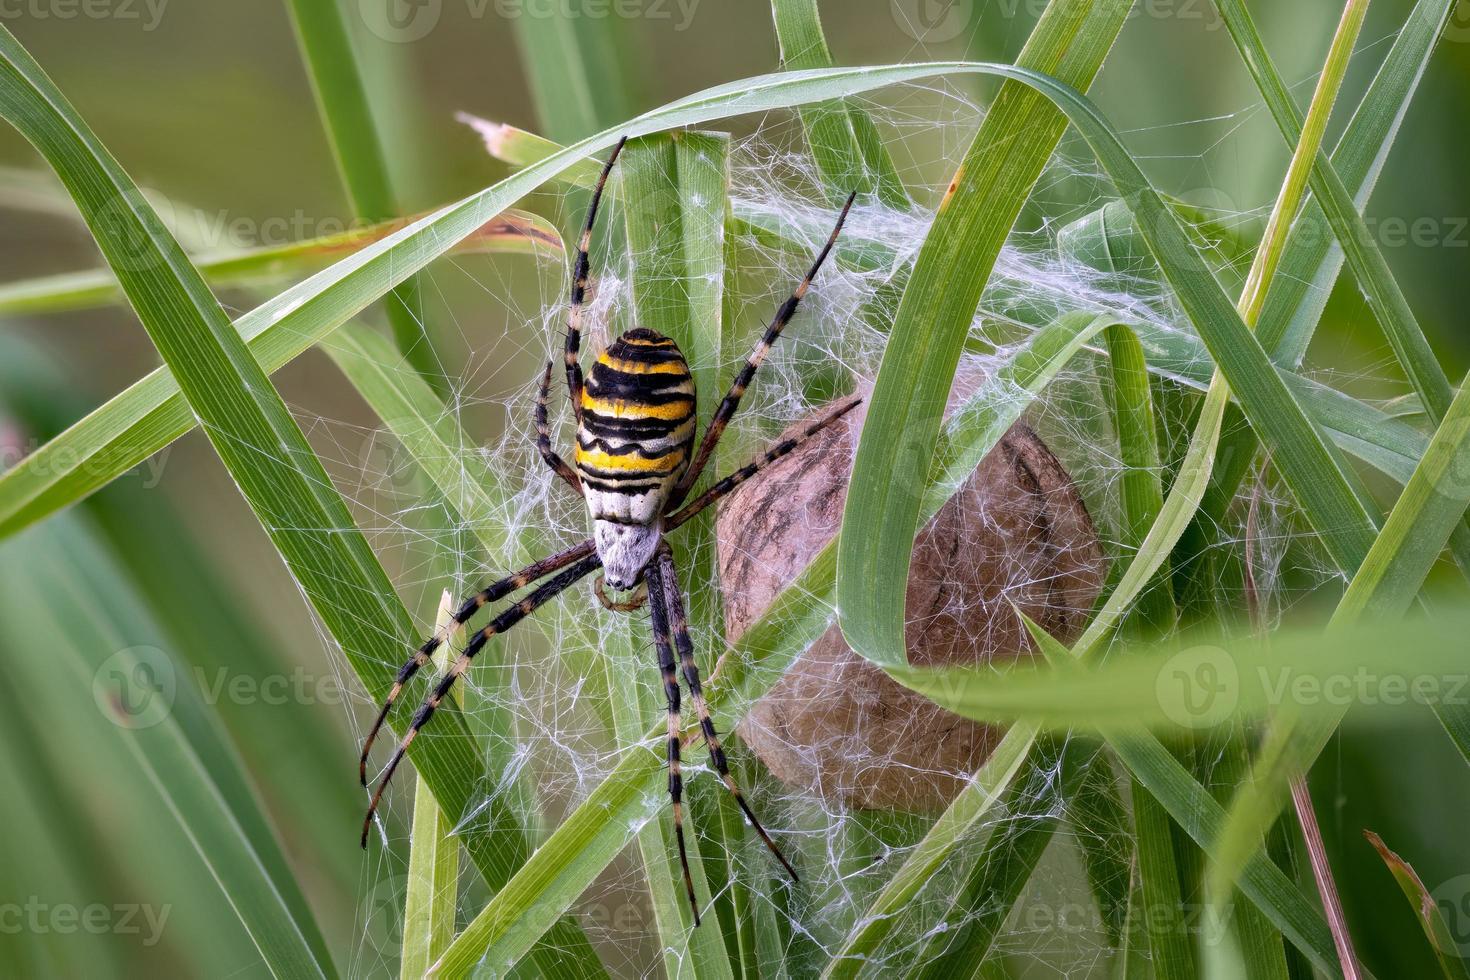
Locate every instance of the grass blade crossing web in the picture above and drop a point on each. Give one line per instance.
(845, 145)
(673, 197)
(935, 315)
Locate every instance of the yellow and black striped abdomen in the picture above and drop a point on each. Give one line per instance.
(637, 427)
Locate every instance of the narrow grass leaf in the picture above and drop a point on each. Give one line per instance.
(845, 145)
(432, 896)
(1430, 915)
(512, 233)
(934, 318)
(361, 159)
(1430, 509)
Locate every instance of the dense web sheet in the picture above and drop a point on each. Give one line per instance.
(555, 683)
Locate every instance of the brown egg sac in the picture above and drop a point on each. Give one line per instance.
(835, 725)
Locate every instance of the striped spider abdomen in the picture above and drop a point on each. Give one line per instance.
(634, 437)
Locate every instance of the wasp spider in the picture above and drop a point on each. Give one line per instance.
(634, 468)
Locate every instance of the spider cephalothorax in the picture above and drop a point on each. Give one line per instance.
(635, 429)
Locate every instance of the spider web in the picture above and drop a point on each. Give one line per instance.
(551, 683)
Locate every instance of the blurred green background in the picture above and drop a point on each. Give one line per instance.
(208, 103)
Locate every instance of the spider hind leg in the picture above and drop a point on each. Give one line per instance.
(667, 605)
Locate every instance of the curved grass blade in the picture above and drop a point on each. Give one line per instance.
(1431, 507)
(1313, 259)
(1380, 288)
(149, 415)
(934, 318)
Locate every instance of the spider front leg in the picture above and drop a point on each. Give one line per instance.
(500, 624)
(579, 287)
(731, 402)
(663, 587)
(543, 436)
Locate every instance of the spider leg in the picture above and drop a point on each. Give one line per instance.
(658, 614)
(500, 624)
(727, 408)
(543, 436)
(467, 609)
(579, 288)
(782, 448)
(674, 605)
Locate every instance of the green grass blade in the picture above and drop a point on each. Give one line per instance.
(1312, 261)
(342, 99)
(1431, 507)
(673, 204)
(433, 858)
(845, 144)
(576, 62)
(1379, 286)
(513, 233)
(1430, 915)
(249, 426)
(934, 318)
(1131, 403)
(143, 775)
